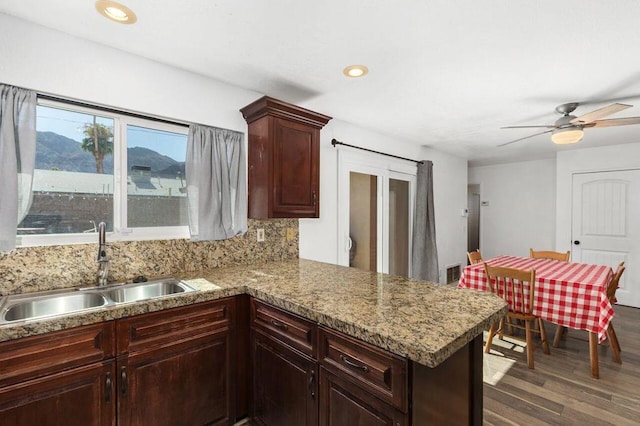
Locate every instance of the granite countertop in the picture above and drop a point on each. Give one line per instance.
(423, 321)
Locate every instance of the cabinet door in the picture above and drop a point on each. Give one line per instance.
(296, 155)
(284, 385)
(184, 384)
(343, 403)
(83, 396)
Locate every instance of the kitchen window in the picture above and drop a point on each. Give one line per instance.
(132, 178)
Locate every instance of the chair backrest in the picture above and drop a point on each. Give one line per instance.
(474, 257)
(515, 286)
(563, 257)
(615, 281)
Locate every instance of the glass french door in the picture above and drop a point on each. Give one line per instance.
(375, 213)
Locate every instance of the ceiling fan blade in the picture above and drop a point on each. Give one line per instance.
(550, 126)
(616, 122)
(526, 137)
(599, 113)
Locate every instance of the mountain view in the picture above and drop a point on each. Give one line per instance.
(54, 151)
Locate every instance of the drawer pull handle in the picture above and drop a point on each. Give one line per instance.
(352, 364)
(123, 382)
(108, 387)
(279, 324)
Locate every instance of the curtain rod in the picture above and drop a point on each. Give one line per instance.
(335, 142)
(74, 102)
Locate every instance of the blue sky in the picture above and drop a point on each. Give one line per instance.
(71, 124)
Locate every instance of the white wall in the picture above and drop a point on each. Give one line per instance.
(318, 237)
(53, 62)
(615, 157)
(49, 61)
(522, 207)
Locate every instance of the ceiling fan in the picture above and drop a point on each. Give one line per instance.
(569, 128)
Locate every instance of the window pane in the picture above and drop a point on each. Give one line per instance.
(399, 227)
(73, 177)
(363, 221)
(156, 185)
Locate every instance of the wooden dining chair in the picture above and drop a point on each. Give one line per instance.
(517, 288)
(611, 333)
(474, 257)
(544, 254)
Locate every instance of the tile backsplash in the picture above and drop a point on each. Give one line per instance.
(29, 269)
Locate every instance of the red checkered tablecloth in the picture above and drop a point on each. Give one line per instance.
(569, 294)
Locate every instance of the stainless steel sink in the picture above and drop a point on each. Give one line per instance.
(148, 290)
(63, 302)
(30, 307)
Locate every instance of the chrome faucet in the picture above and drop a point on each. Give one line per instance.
(102, 260)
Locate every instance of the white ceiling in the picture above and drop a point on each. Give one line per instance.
(445, 74)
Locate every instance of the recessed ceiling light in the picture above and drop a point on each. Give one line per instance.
(355, 71)
(116, 11)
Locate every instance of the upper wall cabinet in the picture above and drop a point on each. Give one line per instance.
(284, 159)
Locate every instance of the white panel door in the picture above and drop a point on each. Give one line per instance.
(606, 225)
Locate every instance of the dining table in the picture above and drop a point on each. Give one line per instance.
(568, 294)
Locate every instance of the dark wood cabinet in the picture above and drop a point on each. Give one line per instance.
(284, 159)
(65, 377)
(343, 403)
(185, 385)
(175, 367)
(83, 396)
(285, 384)
(306, 375)
(171, 367)
(284, 368)
(215, 362)
(379, 373)
(360, 383)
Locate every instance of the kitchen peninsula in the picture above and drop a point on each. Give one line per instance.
(337, 319)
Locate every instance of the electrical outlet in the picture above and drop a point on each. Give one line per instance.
(260, 235)
(291, 234)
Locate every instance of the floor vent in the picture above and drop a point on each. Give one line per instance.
(453, 273)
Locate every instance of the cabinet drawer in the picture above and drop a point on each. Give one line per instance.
(375, 370)
(341, 399)
(293, 330)
(36, 356)
(173, 326)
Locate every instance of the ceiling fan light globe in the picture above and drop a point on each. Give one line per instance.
(567, 136)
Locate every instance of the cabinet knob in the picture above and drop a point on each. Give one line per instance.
(576, 242)
(107, 385)
(123, 380)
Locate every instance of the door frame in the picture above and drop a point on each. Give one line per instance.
(384, 168)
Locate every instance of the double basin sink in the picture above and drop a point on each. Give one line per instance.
(64, 302)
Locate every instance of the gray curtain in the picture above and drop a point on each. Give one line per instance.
(424, 250)
(17, 159)
(216, 183)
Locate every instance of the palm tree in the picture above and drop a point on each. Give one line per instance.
(104, 136)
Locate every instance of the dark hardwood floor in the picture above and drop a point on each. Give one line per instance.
(561, 391)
